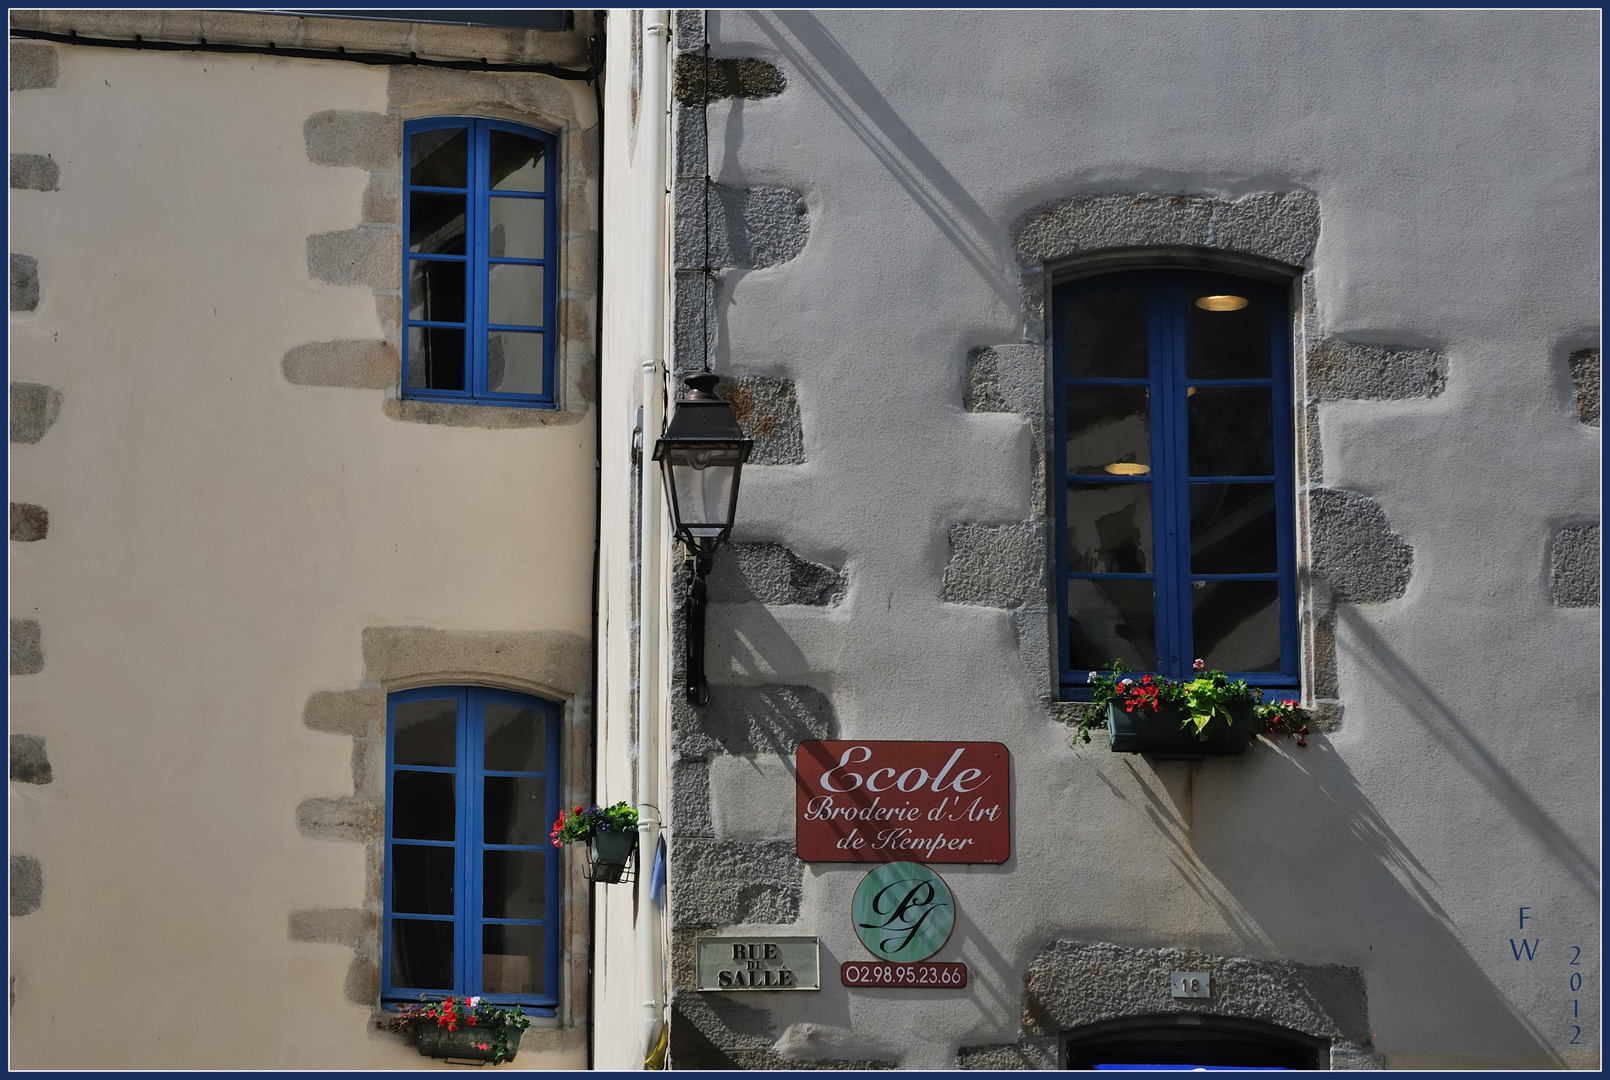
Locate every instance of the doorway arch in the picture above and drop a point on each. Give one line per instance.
(1184, 1040)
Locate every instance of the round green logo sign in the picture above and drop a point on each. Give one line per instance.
(903, 912)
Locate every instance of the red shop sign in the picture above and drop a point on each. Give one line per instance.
(923, 802)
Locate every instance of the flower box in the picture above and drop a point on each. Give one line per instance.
(611, 851)
(468, 1043)
(1161, 733)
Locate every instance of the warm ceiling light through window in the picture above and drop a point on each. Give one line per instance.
(1126, 468)
(1221, 303)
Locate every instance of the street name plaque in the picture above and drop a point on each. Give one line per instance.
(759, 963)
(887, 801)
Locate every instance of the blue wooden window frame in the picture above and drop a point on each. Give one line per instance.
(478, 262)
(468, 845)
(1169, 293)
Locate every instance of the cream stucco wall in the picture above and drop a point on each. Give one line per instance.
(219, 540)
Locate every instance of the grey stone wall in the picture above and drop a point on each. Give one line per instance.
(768, 412)
(24, 282)
(1585, 382)
(1355, 549)
(34, 172)
(1282, 226)
(29, 762)
(34, 408)
(1574, 567)
(996, 565)
(33, 65)
(27, 885)
(27, 648)
(771, 574)
(727, 77)
(1346, 370)
(29, 523)
(744, 228)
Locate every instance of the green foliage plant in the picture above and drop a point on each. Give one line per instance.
(581, 825)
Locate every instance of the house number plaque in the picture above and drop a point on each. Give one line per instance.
(1191, 984)
(759, 963)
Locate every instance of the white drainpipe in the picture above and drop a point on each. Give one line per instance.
(652, 136)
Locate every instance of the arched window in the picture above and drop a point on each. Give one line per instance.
(472, 883)
(1192, 1041)
(480, 225)
(1174, 452)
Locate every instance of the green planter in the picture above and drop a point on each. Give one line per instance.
(465, 1043)
(611, 851)
(1161, 734)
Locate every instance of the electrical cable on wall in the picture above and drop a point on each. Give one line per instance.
(707, 297)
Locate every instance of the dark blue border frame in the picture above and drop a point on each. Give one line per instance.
(1168, 291)
(468, 845)
(477, 261)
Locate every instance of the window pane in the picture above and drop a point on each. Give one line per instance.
(514, 362)
(422, 806)
(1235, 625)
(515, 294)
(704, 496)
(513, 884)
(516, 739)
(1227, 344)
(511, 959)
(1233, 529)
(516, 811)
(515, 228)
(1231, 431)
(1112, 620)
(517, 163)
(435, 358)
(422, 954)
(438, 158)
(435, 290)
(1110, 528)
(426, 733)
(421, 879)
(1106, 335)
(435, 223)
(1109, 430)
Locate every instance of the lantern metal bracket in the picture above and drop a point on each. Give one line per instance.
(702, 554)
(703, 440)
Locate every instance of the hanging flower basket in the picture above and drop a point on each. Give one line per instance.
(610, 833)
(610, 852)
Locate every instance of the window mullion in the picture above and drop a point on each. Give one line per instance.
(1179, 295)
(478, 271)
(469, 773)
(1169, 455)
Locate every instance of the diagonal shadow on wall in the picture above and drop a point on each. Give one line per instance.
(1422, 703)
(833, 74)
(1298, 859)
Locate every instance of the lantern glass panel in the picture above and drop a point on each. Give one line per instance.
(704, 480)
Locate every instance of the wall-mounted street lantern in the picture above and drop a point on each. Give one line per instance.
(702, 452)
